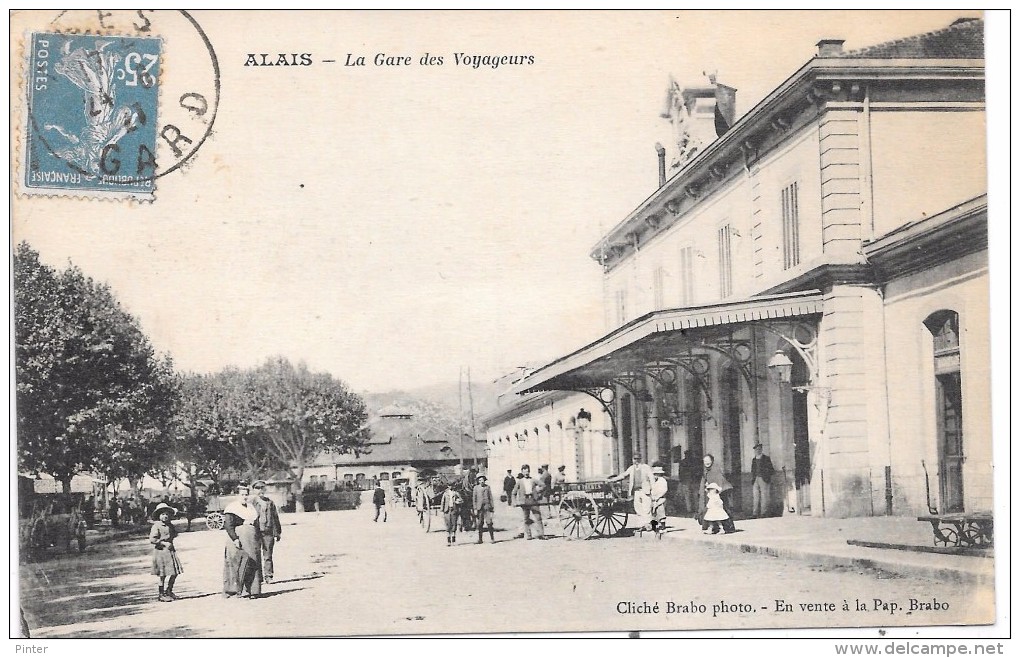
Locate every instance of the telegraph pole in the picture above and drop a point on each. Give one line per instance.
(460, 416)
(471, 406)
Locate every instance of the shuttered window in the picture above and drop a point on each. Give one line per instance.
(791, 227)
(725, 261)
(686, 276)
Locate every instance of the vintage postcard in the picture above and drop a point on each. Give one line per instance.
(418, 323)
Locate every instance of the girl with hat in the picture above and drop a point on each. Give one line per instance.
(714, 509)
(165, 563)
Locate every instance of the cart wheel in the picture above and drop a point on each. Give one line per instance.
(610, 521)
(578, 513)
(947, 537)
(972, 537)
(214, 521)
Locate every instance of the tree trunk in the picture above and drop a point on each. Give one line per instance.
(65, 484)
(299, 502)
(191, 472)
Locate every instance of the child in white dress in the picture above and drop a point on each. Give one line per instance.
(714, 510)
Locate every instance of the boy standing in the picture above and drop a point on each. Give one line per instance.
(482, 504)
(450, 506)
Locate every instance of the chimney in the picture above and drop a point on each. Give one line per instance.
(662, 163)
(830, 47)
(725, 108)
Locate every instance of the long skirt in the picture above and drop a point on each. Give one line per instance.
(165, 563)
(242, 568)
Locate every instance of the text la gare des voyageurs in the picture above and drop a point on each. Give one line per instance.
(384, 60)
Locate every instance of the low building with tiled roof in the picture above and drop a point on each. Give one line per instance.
(403, 444)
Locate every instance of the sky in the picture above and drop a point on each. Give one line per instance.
(391, 225)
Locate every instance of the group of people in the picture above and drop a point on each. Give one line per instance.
(130, 510)
(253, 528)
(709, 499)
(482, 505)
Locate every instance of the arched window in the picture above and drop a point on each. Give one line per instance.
(945, 331)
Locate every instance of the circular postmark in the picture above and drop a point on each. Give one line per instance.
(117, 99)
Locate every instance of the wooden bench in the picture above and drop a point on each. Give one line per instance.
(965, 529)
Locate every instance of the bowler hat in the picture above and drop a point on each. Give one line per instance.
(481, 476)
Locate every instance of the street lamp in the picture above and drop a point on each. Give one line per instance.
(781, 364)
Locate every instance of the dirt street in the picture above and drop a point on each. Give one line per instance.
(338, 573)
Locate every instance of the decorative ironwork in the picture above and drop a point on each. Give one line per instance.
(802, 337)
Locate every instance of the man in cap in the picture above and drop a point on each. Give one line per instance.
(269, 523)
(525, 497)
(640, 475)
(483, 506)
(761, 476)
(509, 483)
(559, 479)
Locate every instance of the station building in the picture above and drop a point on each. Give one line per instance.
(812, 276)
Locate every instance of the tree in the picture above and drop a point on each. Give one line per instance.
(295, 414)
(91, 392)
(208, 425)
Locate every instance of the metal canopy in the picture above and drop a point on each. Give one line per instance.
(666, 335)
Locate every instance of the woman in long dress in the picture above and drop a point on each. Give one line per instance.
(242, 555)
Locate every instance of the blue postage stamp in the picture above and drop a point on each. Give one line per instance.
(91, 115)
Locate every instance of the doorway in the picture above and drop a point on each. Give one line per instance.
(801, 436)
(945, 330)
(729, 429)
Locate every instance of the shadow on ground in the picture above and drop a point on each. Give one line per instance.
(49, 600)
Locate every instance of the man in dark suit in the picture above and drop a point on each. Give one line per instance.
(269, 523)
(761, 477)
(509, 483)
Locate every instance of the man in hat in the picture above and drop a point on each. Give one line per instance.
(761, 476)
(640, 475)
(525, 497)
(559, 479)
(483, 506)
(379, 500)
(509, 483)
(269, 523)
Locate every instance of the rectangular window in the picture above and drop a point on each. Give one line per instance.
(791, 227)
(686, 276)
(621, 307)
(725, 261)
(657, 281)
(384, 476)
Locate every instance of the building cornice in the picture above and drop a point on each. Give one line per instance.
(795, 104)
(931, 241)
(520, 406)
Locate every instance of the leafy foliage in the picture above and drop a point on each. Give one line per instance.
(91, 392)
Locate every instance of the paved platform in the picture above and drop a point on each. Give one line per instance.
(824, 541)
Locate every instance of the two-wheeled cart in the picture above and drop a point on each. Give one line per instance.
(587, 509)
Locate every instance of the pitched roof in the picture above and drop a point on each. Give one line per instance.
(964, 39)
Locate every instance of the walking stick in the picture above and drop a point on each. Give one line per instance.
(927, 489)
